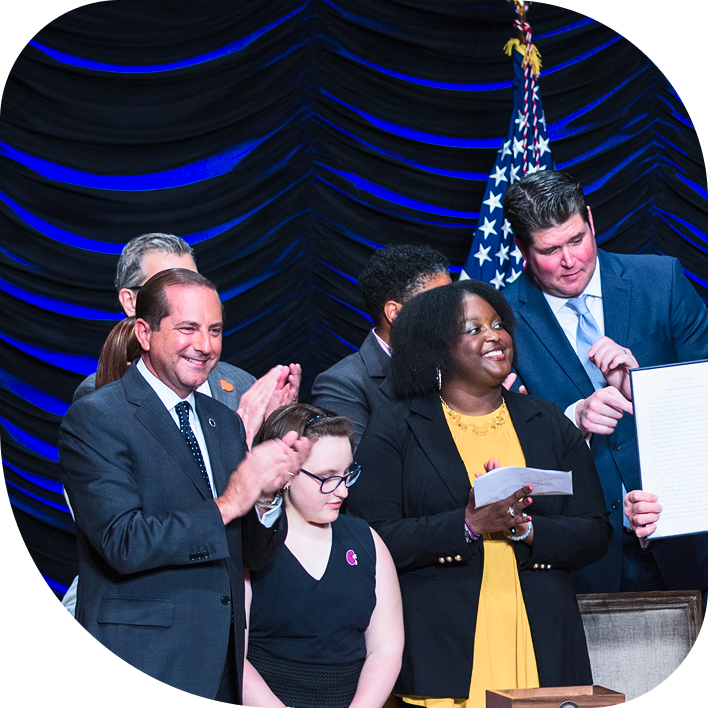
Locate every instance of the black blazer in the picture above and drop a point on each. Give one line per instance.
(159, 573)
(414, 489)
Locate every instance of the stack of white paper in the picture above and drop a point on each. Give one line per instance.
(504, 481)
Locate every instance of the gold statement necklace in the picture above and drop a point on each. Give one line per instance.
(468, 426)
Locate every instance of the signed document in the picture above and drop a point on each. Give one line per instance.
(504, 481)
(671, 415)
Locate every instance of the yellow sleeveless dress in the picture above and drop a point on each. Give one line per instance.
(503, 651)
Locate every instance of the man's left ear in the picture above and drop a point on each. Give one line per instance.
(391, 310)
(143, 334)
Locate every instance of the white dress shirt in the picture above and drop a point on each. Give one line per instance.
(384, 345)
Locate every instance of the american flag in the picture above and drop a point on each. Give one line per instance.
(494, 257)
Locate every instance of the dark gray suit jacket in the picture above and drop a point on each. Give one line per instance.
(651, 308)
(238, 378)
(159, 573)
(351, 387)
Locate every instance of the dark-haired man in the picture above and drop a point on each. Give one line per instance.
(392, 277)
(164, 494)
(585, 318)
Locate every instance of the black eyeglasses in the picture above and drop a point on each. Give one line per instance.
(329, 484)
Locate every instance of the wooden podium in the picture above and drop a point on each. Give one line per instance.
(555, 697)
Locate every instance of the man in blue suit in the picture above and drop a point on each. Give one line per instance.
(169, 504)
(585, 318)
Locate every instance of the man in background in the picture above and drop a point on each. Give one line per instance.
(352, 386)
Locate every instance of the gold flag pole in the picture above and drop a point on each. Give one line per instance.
(523, 31)
(521, 7)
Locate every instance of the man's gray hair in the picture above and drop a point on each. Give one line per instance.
(129, 272)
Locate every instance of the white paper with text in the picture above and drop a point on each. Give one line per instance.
(671, 415)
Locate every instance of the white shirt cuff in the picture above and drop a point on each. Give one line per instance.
(272, 515)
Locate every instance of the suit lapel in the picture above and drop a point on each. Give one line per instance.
(151, 412)
(433, 435)
(530, 429)
(535, 312)
(616, 299)
(212, 429)
(375, 359)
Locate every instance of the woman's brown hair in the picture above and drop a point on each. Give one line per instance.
(120, 348)
(307, 421)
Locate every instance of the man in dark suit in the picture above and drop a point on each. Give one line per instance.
(352, 386)
(148, 254)
(169, 504)
(584, 319)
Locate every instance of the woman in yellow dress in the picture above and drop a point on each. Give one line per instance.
(488, 601)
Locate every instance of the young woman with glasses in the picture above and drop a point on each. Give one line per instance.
(325, 627)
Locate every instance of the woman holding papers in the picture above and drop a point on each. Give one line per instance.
(487, 596)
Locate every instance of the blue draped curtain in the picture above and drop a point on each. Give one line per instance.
(286, 141)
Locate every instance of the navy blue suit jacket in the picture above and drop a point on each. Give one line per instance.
(160, 576)
(651, 308)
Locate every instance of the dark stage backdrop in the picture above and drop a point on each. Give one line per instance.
(286, 141)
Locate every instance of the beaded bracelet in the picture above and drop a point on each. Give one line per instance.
(514, 537)
(470, 535)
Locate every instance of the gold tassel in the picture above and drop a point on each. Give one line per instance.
(520, 47)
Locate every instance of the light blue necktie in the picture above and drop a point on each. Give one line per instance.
(586, 335)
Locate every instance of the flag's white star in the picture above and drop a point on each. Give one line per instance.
(517, 254)
(543, 146)
(488, 227)
(514, 275)
(481, 255)
(498, 280)
(493, 202)
(499, 175)
(502, 254)
(542, 120)
(518, 147)
(506, 229)
(504, 149)
(515, 174)
(521, 120)
(532, 168)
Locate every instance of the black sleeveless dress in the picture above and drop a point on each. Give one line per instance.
(306, 636)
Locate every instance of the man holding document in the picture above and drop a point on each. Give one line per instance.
(585, 318)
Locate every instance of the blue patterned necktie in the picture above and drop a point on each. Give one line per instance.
(586, 335)
(182, 409)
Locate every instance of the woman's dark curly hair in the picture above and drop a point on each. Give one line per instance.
(425, 330)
